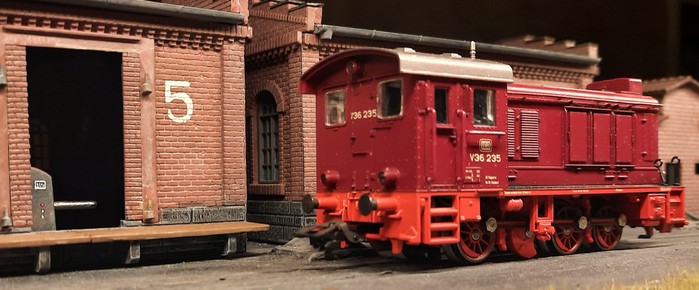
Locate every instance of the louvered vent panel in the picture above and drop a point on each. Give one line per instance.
(530, 134)
(510, 133)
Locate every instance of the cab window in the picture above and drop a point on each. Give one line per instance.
(335, 108)
(390, 99)
(440, 104)
(484, 107)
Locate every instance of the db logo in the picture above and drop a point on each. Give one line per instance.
(486, 145)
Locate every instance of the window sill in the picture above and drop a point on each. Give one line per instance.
(276, 189)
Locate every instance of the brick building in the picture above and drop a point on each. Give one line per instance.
(678, 132)
(289, 37)
(134, 105)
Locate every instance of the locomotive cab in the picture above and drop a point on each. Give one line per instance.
(400, 123)
(439, 119)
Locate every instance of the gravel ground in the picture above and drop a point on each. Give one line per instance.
(294, 266)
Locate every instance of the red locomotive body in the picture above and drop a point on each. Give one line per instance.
(420, 152)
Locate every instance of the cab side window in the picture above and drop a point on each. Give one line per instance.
(335, 108)
(390, 98)
(440, 104)
(484, 107)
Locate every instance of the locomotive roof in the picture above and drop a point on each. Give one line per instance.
(411, 62)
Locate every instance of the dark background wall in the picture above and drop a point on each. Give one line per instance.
(637, 38)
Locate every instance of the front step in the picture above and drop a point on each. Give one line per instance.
(441, 225)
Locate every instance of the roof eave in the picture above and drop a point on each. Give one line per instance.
(327, 32)
(158, 9)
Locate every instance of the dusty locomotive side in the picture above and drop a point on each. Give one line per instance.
(428, 154)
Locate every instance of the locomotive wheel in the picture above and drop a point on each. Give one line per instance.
(568, 238)
(520, 241)
(606, 237)
(544, 248)
(475, 246)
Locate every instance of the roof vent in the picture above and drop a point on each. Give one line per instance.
(405, 49)
(621, 85)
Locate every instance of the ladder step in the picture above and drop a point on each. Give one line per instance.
(443, 211)
(443, 240)
(443, 226)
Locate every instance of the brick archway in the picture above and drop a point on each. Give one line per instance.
(254, 91)
(270, 86)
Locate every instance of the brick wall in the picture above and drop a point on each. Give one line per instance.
(200, 159)
(284, 218)
(309, 58)
(270, 23)
(298, 155)
(18, 131)
(296, 125)
(233, 109)
(679, 136)
(131, 74)
(273, 78)
(277, 29)
(189, 154)
(275, 61)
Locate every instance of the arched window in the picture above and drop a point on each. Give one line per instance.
(267, 138)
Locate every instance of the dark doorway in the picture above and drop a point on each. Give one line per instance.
(689, 50)
(76, 131)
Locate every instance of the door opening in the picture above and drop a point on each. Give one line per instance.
(76, 131)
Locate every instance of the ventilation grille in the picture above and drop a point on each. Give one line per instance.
(530, 134)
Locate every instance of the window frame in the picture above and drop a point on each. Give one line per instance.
(491, 107)
(446, 105)
(274, 164)
(379, 98)
(344, 107)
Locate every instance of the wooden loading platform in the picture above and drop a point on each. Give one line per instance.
(39, 243)
(105, 235)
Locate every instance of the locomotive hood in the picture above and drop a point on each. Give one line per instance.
(407, 61)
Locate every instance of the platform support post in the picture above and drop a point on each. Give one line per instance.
(43, 260)
(133, 255)
(231, 246)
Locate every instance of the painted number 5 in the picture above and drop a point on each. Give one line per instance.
(170, 96)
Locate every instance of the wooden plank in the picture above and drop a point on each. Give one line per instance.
(66, 237)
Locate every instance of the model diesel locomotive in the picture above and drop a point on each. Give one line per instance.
(427, 154)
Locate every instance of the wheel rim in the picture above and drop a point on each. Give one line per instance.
(568, 238)
(475, 245)
(606, 237)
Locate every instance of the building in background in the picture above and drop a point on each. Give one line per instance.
(678, 132)
(643, 39)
